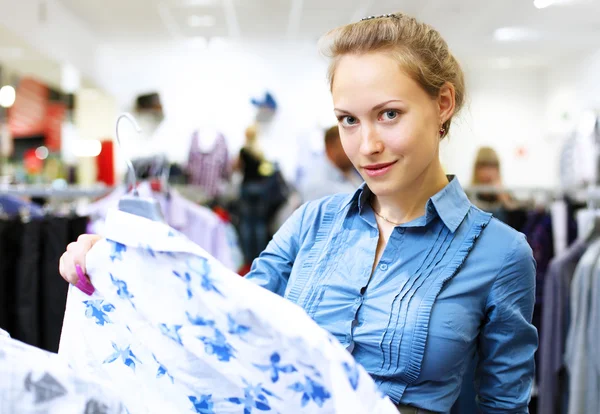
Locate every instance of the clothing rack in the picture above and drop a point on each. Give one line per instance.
(577, 193)
(66, 193)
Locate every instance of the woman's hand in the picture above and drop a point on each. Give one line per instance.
(72, 262)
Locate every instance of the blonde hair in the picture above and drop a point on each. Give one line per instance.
(252, 145)
(420, 50)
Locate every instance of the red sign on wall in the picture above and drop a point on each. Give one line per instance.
(27, 116)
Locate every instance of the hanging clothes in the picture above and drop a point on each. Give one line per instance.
(208, 169)
(175, 331)
(12, 205)
(200, 225)
(33, 295)
(196, 222)
(28, 280)
(10, 247)
(580, 353)
(553, 378)
(35, 381)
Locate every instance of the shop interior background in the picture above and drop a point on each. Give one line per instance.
(532, 71)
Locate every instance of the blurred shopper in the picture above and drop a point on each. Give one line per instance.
(486, 172)
(333, 174)
(260, 195)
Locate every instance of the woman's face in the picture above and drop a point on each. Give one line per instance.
(487, 174)
(389, 126)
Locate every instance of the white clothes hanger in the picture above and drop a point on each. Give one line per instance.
(132, 203)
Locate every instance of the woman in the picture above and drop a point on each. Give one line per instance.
(405, 272)
(254, 209)
(486, 172)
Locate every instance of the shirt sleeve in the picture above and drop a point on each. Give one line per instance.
(508, 340)
(272, 268)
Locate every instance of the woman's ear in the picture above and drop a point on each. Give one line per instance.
(446, 102)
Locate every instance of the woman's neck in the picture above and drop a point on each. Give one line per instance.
(410, 203)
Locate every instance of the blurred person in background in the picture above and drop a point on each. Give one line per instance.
(486, 172)
(254, 208)
(333, 174)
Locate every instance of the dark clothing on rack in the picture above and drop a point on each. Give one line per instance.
(10, 248)
(58, 232)
(33, 295)
(28, 280)
(555, 325)
(251, 165)
(538, 230)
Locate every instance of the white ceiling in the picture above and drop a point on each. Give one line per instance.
(565, 31)
(16, 56)
(468, 25)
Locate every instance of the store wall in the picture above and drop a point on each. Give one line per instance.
(212, 87)
(573, 86)
(505, 110)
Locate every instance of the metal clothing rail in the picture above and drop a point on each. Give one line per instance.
(66, 193)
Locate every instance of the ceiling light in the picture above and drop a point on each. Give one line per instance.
(201, 21)
(515, 34)
(7, 96)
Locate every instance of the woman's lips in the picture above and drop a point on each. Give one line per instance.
(377, 170)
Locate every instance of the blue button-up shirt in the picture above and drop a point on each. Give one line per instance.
(449, 284)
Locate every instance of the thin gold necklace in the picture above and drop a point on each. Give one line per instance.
(384, 218)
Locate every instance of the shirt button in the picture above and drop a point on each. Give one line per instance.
(383, 267)
(401, 230)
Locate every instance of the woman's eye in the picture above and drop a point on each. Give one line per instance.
(348, 120)
(389, 115)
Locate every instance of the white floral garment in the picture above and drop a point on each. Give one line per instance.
(33, 381)
(176, 332)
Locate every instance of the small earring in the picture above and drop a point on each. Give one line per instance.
(442, 131)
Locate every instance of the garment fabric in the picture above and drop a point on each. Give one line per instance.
(449, 284)
(175, 331)
(12, 206)
(33, 295)
(53, 291)
(555, 325)
(199, 224)
(28, 281)
(539, 232)
(207, 169)
(403, 409)
(10, 247)
(324, 179)
(251, 165)
(33, 381)
(196, 222)
(579, 351)
(254, 219)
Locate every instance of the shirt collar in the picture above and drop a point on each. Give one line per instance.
(450, 204)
